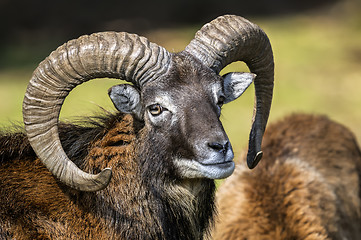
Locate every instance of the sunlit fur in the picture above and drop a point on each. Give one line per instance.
(307, 187)
(146, 199)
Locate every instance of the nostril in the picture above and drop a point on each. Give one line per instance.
(215, 145)
(218, 146)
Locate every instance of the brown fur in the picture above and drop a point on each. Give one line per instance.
(307, 187)
(34, 205)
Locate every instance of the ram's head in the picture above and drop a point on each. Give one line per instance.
(177, 95)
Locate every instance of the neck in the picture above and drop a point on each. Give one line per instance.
(184, 207)
(177, 210)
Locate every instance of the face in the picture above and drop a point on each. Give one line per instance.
(183, 109)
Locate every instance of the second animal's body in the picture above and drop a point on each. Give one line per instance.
(306, 188)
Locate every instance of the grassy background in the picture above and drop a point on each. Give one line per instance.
(318, 70)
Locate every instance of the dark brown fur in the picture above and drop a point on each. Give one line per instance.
(307, 187)
(144, 200)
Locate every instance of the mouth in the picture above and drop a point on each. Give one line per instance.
(224, 164)
(211, 169)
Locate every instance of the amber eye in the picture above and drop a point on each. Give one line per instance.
(220, 101)
(155, 109)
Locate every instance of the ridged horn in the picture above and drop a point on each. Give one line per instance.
(229, 39)
(107, 54)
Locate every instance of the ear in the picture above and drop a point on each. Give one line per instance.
(235, 83)
(126, 99)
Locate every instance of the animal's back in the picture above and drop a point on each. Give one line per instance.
(306, 187)
(312, 137)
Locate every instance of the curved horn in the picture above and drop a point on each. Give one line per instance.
(232, 38)
(108, 54)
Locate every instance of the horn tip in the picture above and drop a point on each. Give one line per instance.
(101, 181)
(253, 161)
(104, 176)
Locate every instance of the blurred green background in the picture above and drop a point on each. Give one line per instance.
(316, 44)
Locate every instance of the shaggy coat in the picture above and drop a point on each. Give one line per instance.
(307, 187)
(143, 201)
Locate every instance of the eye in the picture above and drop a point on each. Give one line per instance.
(155, 109)
(220, 101)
